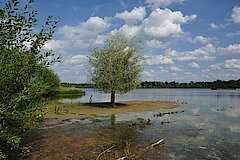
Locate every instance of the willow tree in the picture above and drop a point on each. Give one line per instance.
(116, 67)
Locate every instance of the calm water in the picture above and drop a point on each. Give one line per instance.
(209, 127)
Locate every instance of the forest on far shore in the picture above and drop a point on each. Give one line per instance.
(218, 84)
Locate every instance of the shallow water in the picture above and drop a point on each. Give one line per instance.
(205, 126)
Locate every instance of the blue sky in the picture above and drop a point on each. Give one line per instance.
(184, 40)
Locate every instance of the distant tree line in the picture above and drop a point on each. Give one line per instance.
(218, 84)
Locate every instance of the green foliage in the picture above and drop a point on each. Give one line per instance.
(51, 80)
(115, 68)
(24, 77)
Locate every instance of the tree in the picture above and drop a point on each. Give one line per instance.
(115, 68)
(51, 80)
(22, 61)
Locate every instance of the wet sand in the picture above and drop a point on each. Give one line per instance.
(79, 110)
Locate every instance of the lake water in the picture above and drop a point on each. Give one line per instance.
(206, 124)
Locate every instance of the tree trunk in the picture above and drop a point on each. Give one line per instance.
(112, 97)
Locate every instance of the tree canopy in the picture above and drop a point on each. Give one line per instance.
(116, 67)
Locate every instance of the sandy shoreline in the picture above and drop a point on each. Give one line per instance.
(78, 110)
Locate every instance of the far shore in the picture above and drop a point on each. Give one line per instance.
(78, 110)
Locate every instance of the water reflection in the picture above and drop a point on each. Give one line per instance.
(207, 129)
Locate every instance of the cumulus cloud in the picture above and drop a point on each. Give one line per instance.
(154, 43)
(56, 45)
(77, 59)
(72, 68)
(236, 14)
(148, 74)
(161, 3)
(233, 34)
(85, 33)
(200, 54)
(231, 64)
(130, 30)
(137, 14)
(227, 64)
(157, 60)
(216, 26)
(164, 23)
(193, 65)
(159, 28)
(175, 69)
(96, 24)
(232, 49)
(201, 39)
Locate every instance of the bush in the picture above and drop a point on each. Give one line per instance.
(22, 67)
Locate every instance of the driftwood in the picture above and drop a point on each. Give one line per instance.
(151, 146)
(155, 144)
(107, 150)
(122, 158)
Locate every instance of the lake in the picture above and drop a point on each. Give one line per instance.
(206, 125)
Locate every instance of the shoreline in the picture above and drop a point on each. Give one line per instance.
(79, 110)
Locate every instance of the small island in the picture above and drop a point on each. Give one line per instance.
(78, 110)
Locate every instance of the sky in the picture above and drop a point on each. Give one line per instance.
(183, 40)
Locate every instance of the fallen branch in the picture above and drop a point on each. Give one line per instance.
(107, 150)
(122, 158)
(155, 144)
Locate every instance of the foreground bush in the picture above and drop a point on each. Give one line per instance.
(23, 72)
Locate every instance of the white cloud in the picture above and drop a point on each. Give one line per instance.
(202, 39)
(137, 14)
(162, 3)
(236, 14)
(216, 26)
(175, 69)
(232, 64)
(130, 30)
(56, 45)
(193, 65)
(227, 64)
(200, 54)
(95, 24)
(72, 68)
(86, 33)
(154, 43)
(164, 23)
(148, 74)
(157, 60)
(77, 59)
(233, 34)
(232, 49)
